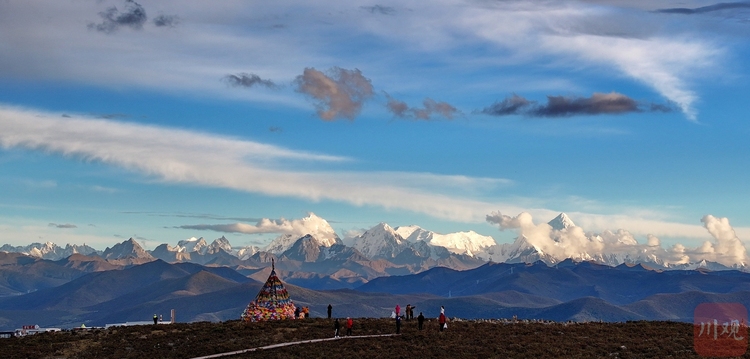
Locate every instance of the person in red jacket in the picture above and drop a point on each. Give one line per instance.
(349, 325)
(441, 320)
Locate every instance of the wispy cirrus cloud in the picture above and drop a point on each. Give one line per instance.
(180, 156)
(601, 39)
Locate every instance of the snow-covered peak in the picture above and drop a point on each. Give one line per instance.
(380, 241)
(193, 245)
(127, 249)
(35, 252)
(407, 231)
(470, 242)
(319, 228)
(246, 252)
(219, 244)
(562, 221)
(281, 243)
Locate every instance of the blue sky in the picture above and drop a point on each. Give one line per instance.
(141, 118)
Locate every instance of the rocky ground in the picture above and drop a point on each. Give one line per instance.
(463, 339)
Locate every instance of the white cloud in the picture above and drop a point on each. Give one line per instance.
(179, 156)
(51, 42)
(311, 224)
(661, 63)
(574, 242)
(727, 248)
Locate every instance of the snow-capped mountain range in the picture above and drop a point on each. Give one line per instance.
(560, 239)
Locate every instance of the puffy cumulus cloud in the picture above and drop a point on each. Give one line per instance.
(311, 224)
(566, 106)
(727, 248)
(134, 16)
(248, 80)
(653, 241)
(620, 246)
(402, 110)
(523, 220)
(339, 94)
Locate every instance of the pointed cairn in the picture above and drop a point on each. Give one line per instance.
(271, 303)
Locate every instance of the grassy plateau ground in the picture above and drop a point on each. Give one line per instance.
(463, 339)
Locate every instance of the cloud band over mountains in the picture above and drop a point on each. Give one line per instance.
(573, 241)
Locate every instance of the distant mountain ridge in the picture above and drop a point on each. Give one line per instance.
(321, 260)
(582, 291)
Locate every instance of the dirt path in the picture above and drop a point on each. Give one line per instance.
(236, 352)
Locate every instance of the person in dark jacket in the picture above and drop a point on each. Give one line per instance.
(156, 319)
(337, 326)
(296, 313)
(420, 320)
(330, 308)
(398, 324)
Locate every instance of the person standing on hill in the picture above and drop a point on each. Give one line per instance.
(441, 320)
(398, 324)
(155, 318)
(398, 310)
(296, 313)
(420, 320)
(408, 309)
(330, 308)
(336, 326)
(349, 325)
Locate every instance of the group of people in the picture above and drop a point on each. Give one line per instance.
(337, 326)
(301, 313)
(442, 319)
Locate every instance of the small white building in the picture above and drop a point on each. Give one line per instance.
(34, 329)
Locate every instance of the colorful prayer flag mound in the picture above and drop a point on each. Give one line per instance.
(271, 303)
